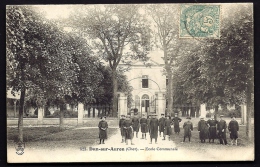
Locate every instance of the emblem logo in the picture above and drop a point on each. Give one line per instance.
(20, 148)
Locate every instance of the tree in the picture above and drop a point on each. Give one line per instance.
(117, 32)
(232, 56)
(166, 24)
(104, 91)
(17, 55)
(188, 87)
(39, 59)
(221, 71)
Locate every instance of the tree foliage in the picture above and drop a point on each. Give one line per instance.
(220, 71)
(47, 64)
(117, 32)
(167, 39)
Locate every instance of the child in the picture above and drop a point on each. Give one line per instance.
(102, 130)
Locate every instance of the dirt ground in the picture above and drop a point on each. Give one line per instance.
(49, 144)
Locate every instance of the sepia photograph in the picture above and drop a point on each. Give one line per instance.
(169, 82)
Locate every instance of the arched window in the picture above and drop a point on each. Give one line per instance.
(145, 96)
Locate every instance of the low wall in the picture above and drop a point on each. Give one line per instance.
(91, 122)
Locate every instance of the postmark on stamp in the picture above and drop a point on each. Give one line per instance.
(199, 21)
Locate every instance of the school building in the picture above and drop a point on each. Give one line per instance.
(149, 85)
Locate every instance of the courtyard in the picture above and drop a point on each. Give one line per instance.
(81, 144)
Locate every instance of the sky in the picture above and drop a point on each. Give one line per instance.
(63, 11)
(55, 11)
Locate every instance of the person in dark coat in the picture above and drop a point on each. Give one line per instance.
(161, 124)
(188, 127)
(143, 123)
(148, 123)
(176, 122)
(167, 127)
(122, 128)
(233, 127)
(102, 130)
(221, 128)
(212, 128)
(154, 123)
(203, 129)
(127, 124)
(136, 125)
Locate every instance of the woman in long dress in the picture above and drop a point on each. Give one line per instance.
(188, 127)
(203, 130)
(102, 129)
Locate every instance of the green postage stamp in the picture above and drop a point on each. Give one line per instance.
(199, 21)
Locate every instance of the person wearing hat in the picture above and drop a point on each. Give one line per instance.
(102, 129)
(122, 128)
(203, 129)
(148, 123)
(143, 123)
(161, 124)
(188, 127)
(233, 128)
(221, 128)
(167, 128)
(154, 123)
(212, 128)
(127, 124)
(176, 120)
(136, 125)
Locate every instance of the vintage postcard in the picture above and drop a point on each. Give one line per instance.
(130, 82)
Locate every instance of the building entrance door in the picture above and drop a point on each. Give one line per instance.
(145, 104)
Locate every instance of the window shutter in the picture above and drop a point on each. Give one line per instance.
(149, 83)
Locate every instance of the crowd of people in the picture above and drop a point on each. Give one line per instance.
(211, 129)
(214, 129)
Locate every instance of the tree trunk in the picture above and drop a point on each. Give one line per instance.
(216, 112)
(114, 97)
(169, 91)
(20, 119)
(15, 101)
(61, 117)
(248, 115)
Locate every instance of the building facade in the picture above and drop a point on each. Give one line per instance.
(149, 86)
